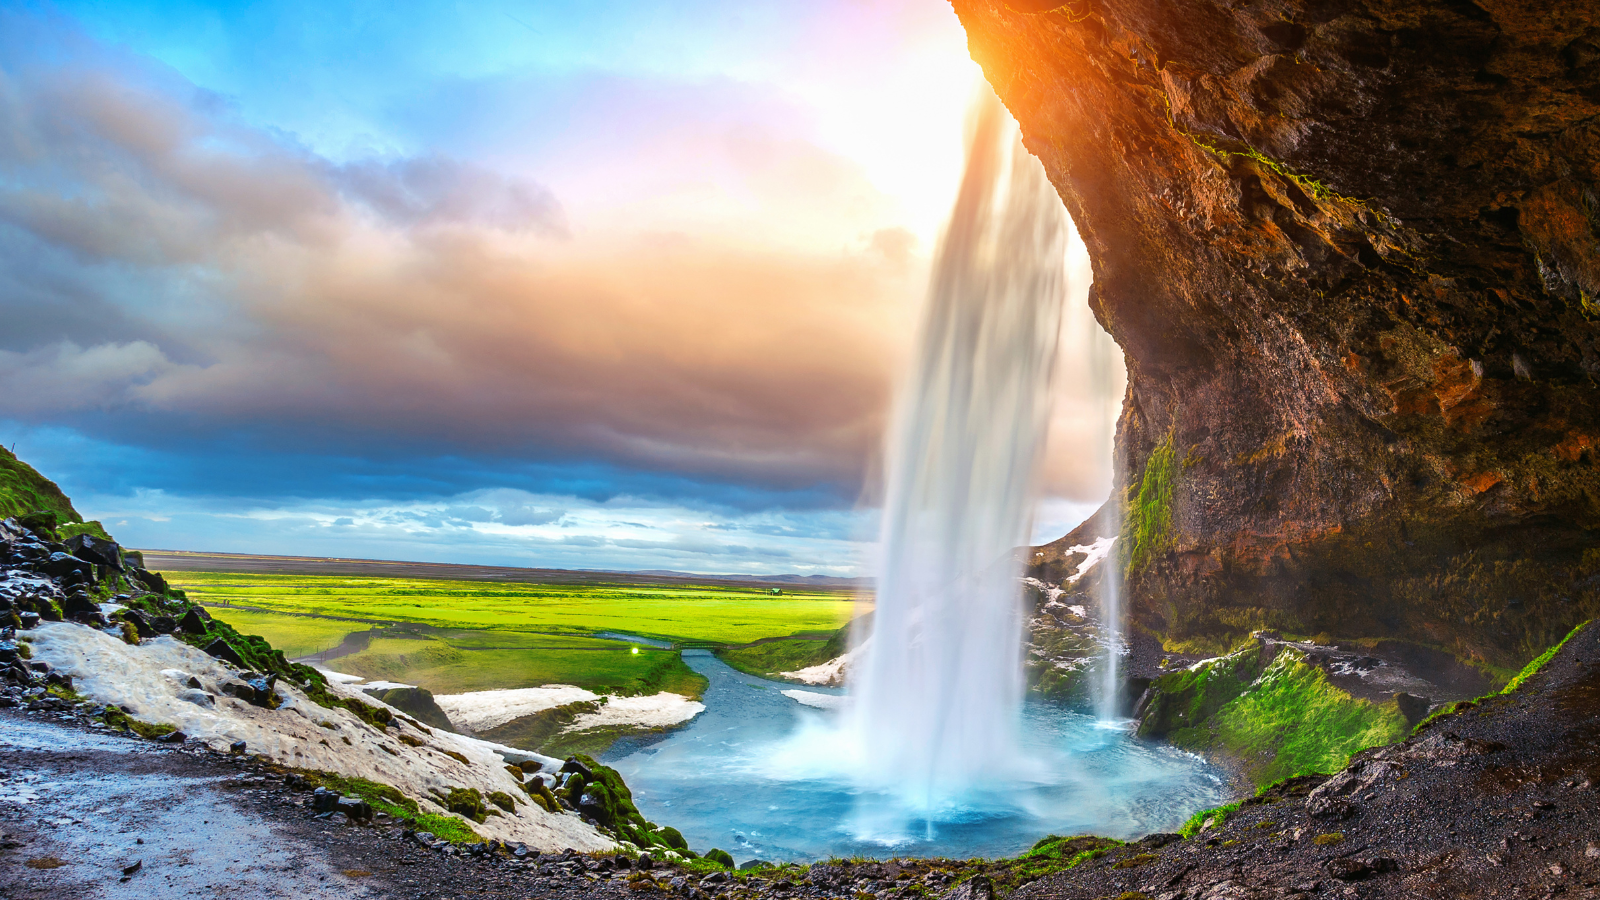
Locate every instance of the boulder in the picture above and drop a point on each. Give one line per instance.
(418, 703)
(151, 580)
(96, 550)
(140, 624)
(61, 565)
(196, 621)
(198, 698)
(573, 764)
(77, 604)
(1414, 708)
(324, 800)
(239, 748)
(355, 808)
(975, 888)
(257, 690)
(164, 624)
(224, 651)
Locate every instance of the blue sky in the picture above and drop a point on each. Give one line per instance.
(604, 285)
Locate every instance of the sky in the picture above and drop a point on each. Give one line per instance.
(602, 285)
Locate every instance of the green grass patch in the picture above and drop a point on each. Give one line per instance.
(1205, 817)
(455, 662)
(1538, 662)
(1291, 722)
(386, 799)
(686, 614)
(26, 494)
(774, 657)
(295, 635)
(1528, 671)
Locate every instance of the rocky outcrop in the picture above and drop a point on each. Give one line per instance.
(1350, 251)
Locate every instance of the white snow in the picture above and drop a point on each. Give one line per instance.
(812, 698)
(147, 680)
(483, 710)
(832, 673)
(338, 677)
(1096, 551)
(381, 685)
(661, 710)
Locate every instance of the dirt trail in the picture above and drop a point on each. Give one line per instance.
(95, 805)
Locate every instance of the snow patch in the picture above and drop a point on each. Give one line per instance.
(483, 710)
(145, 679)
(1095, 552)
(812, 698)
(661, 710)
(832, 673)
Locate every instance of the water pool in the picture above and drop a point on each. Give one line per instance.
(760, 775)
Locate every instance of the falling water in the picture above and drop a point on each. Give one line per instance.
(1105, 364)
(937, 698)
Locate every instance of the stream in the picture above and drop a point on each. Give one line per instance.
(762, 775)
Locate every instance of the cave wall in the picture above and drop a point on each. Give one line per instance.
(1350, 251)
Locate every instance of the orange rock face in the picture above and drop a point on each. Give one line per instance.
(1351, 252)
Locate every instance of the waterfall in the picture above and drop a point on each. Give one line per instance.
(1106, 379)
(937, 698)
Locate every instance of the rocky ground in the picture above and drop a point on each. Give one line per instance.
(1496, 801)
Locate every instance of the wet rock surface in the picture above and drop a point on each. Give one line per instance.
(1351, 253)
(1498, 800)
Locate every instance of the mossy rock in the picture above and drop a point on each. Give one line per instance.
(1189, 697)
(466, 803)
(720, 857)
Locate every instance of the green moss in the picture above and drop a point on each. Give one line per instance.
(386, 799)
(1188, 697)
(23, 491)
(466, 803)
(771, 657)
(1528, 671)
(1205, 817)
(503, 800)
(116, 718)
(1292, 721)
(1538, 662)
(720, 857)
(1329, 839)
(73, 529)
(1149, 517)
(1053, 854)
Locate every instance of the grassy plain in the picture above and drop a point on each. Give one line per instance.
(296, 636)
(702, 616)
(458, 636)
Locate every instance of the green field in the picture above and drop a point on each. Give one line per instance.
(296, 636)
(457, 636)
(688, 615)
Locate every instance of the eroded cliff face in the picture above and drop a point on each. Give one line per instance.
(1350, 250)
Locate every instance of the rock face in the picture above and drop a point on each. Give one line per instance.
(1350, 250)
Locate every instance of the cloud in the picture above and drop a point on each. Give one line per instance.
(214, 277)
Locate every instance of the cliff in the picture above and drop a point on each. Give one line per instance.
(1350, 251)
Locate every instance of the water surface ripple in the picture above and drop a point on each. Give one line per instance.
(763, 776)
